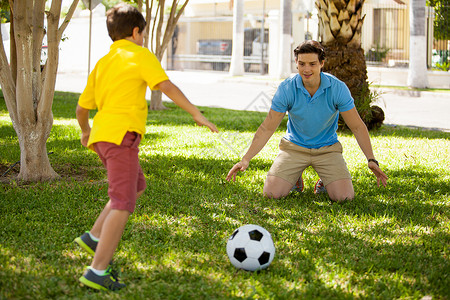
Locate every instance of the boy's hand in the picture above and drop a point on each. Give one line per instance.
(85, 138)
(202, 121)
(240, 166)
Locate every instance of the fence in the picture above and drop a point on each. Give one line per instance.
(385, 36)
(206, 43)
(439, 43)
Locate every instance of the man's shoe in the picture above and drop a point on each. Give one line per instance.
(101, 282)
(85, 242)
(298, 186)
(319, 188)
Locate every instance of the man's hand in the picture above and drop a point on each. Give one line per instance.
(381, 177)
(240, 166)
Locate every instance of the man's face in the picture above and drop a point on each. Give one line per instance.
(309, 67)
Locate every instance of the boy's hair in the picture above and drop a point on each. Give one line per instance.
(122, 19)
(310, 46)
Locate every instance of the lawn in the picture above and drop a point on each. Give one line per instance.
(388, 243)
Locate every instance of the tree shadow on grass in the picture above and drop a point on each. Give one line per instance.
(187, 213)
(417, 266)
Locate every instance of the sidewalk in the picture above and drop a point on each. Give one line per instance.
(416, 109)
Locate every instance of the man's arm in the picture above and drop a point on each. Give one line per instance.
(177, 96)
(359, 129)
(262, 135)
(83, 121)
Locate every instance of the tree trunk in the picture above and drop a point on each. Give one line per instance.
(27, 90)
(237, 55)
(349, 65)
(417, 74)
(34, 162)
(340, 24)
(156, 102)
(285, 52)
(159, 40)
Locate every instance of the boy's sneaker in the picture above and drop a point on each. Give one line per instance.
(298, 186)
(85, 242)
(319, 188)
(88, 244)
(101, 282)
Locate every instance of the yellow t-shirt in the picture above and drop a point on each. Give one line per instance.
(117, 87)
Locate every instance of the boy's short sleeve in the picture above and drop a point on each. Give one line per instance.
(152, 71)
(87, 98)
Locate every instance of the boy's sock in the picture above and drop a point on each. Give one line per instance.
(97, 272)
(94, 238)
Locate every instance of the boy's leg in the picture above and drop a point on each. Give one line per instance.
(90, 245)
(111, 233)
(98, 225)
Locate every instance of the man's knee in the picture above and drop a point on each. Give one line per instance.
(273, 194)
(276, 187)
(343, 197)
(341, 190)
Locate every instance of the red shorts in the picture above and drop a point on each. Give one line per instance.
(125, 176)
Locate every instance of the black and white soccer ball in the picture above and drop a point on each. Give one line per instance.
(251, 248)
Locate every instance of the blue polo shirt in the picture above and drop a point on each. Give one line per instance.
(313, 121)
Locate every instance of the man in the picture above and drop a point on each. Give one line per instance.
(313, 100)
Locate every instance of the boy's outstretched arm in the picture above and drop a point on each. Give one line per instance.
(177, 96)
(83, 121)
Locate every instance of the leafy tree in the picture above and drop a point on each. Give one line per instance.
(28, 90)
(160, 32)
(161, 23)
(442, 18)
(4, 12)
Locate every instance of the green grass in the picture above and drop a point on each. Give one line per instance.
(388, 243)
(407, 88)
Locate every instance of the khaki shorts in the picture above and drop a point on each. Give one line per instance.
(292, 160)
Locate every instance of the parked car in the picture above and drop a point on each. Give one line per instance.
(214, 47)
(223, 47)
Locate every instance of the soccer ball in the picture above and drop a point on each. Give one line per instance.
(251, 248)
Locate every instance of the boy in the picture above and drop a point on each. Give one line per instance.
(314, 100)
(116, 87)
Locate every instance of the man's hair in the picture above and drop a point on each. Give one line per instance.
(310, 46)
(122, 19)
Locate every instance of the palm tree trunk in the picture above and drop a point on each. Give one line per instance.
(340, 24)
